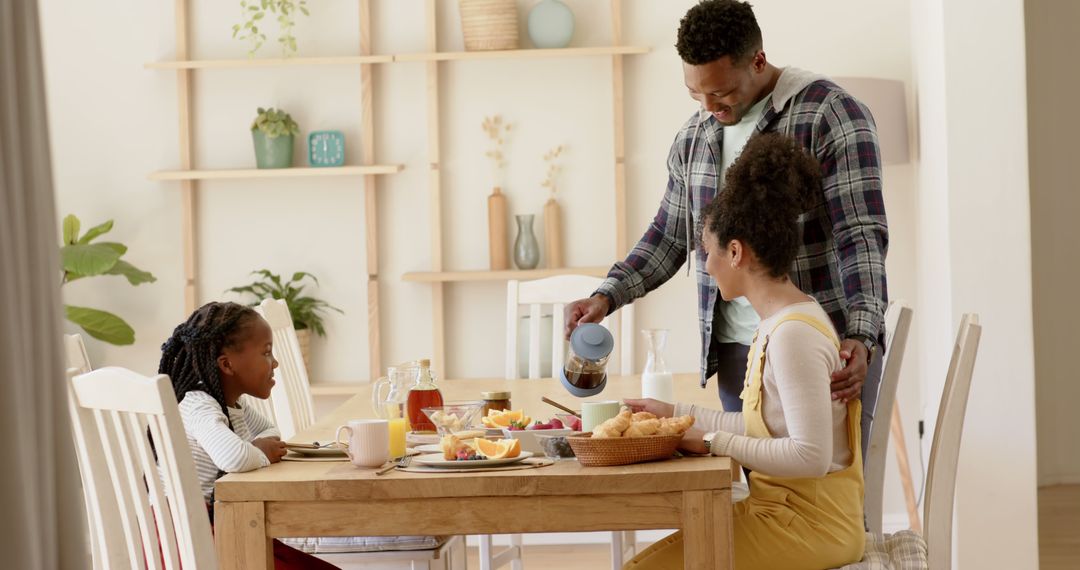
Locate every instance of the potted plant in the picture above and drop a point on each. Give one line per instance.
(254, 13)
(273, 132)
(81, 258)
(307, 312)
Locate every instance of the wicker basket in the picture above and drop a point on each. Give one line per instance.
(602, 452)
(489, 24)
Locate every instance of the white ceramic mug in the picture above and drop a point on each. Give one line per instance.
(369, 442)
(597, 412)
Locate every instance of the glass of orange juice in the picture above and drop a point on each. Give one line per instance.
(398, 427)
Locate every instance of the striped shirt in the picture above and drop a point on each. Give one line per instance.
(841, 260)
(217, 448)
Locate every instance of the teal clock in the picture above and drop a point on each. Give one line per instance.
(326, 148)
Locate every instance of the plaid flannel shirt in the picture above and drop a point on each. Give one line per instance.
(841, 261)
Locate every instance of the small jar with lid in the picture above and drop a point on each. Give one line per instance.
(498, 401)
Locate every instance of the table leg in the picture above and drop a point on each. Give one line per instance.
(707, 530)
(240, 536)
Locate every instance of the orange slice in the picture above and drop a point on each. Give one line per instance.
(501, 449)
(501, 419)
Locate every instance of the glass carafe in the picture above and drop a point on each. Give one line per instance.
(585, 372)
(390, 394)
(424, 394)
(656, 380)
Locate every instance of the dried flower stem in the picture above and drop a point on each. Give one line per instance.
(553, 168)
(497, 132)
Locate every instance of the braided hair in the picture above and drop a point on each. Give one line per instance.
(190, 355)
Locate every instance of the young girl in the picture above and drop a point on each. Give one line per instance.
(220, 353)
(805, 509)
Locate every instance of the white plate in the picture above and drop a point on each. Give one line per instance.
(429, 448)
(334, 451)
(437, 460)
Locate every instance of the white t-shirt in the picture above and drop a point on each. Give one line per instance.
(738, 320)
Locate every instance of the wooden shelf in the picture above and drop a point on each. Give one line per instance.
(276, 172)
(402, 57)
(520, 274)
(275, 62)
(522, 53)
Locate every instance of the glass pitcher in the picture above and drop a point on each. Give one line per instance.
(396, 385)
(585, 372)
(656, 380)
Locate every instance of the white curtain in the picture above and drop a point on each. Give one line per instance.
(42, 517)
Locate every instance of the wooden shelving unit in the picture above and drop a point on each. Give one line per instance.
(188, 176)
(296, 172)
(439, 276)
(519, 274)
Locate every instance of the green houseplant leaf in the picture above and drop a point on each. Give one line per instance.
(80, 259)
(87, 259)
(306, 312)
(101, 325)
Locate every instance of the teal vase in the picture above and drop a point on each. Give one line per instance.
(274, 152)
(526, 250)
(551, 24)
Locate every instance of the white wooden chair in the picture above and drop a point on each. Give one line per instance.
(558, 292)
(146, 513)
(897, 325)
(908, 549)
(293, 410)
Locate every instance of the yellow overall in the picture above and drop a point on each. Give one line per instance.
(787, 523)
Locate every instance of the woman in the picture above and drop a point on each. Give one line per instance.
(805, 508)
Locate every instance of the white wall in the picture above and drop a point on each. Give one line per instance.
(975, 256)
(1052, 43)
(100, 92)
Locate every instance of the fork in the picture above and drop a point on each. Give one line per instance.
(403, 463)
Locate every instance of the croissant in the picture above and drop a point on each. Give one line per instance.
(643, 428)
(675, 426)
(615, 426)
(641, 416)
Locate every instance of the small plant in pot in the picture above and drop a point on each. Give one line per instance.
(273, 132)
(307, 312)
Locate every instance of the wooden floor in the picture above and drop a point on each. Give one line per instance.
(1059, 539)
(1059, 527)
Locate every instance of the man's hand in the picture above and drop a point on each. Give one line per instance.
(847, 383)
(273, 447)
(591, 310)
(654, 407)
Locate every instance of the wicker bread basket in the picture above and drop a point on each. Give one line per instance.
(489, 24)
(601, 452)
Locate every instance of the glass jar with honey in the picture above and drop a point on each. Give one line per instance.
(498, 401)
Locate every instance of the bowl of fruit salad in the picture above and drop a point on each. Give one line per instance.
(454, 417)
(528, 435)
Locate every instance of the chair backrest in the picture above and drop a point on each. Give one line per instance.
(291, 396)
(945, 450)
(897, 325)
(151, 513)
(75, 350)
(557, 292)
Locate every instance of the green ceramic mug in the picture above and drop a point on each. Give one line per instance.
(597, 412)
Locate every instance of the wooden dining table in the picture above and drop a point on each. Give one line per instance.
(298, 499)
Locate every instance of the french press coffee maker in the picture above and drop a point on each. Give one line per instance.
(585, 372)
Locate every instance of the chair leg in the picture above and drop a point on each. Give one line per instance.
(616, 550)
(515, 545)
(485, 552)
(629, 544)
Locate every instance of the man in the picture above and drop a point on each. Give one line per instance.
(841, 261)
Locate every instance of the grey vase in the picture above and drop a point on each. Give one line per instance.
(526, 250)
(551, 24)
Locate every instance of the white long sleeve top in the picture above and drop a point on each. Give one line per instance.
(214, 446)
(809, 428)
